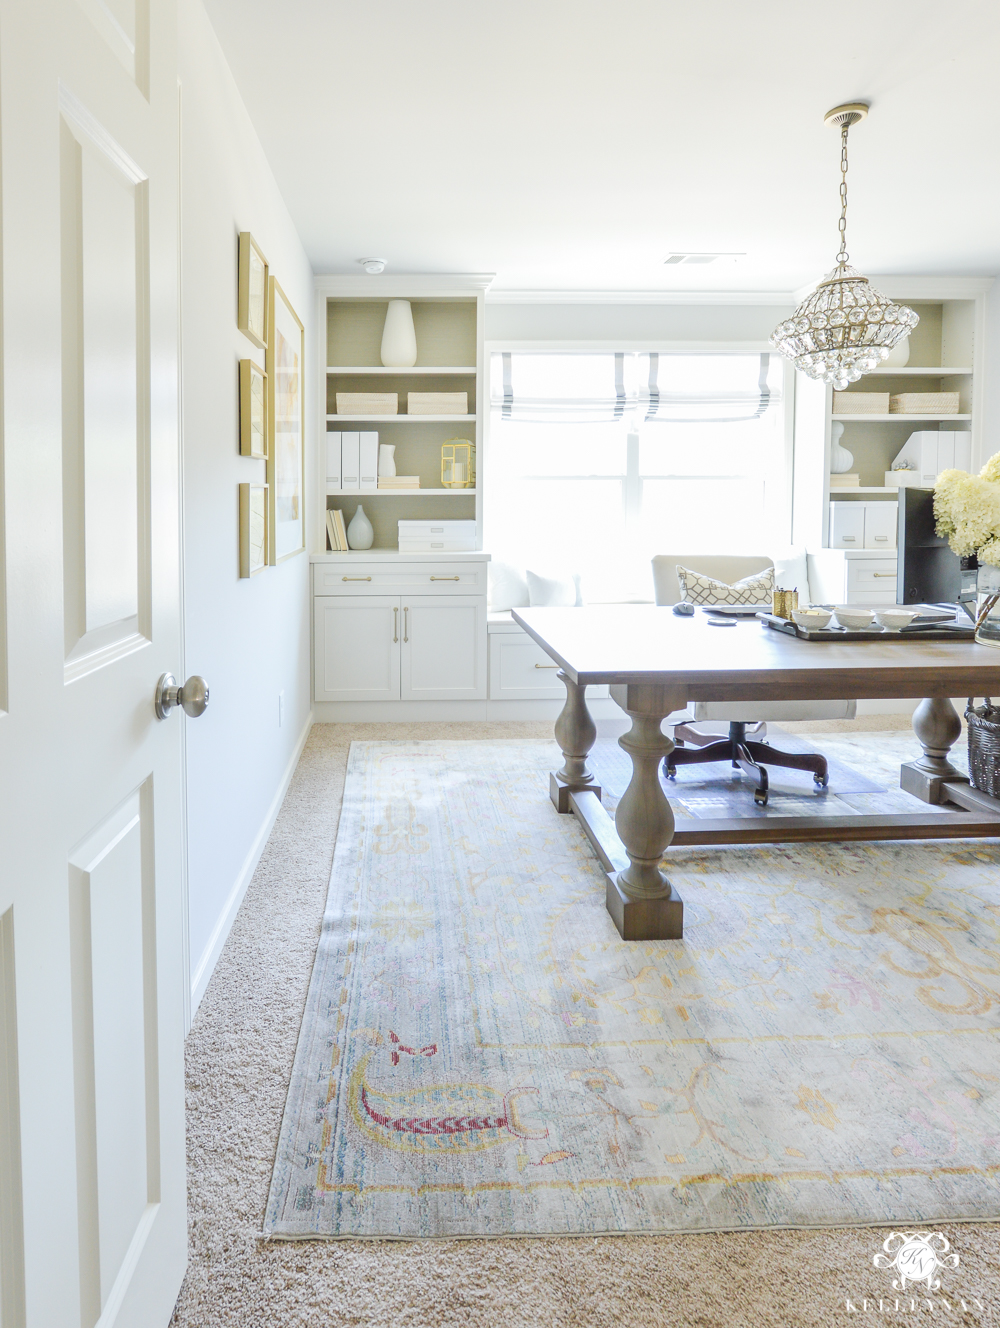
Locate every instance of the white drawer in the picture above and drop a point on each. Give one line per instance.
(520, 670)
(871, 581)
(847, 525)
(410, 578)
(880, 525)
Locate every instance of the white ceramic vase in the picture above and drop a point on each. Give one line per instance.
(360, 533)
(898, 356)
(399, 341)
(386, 459)
(840, 459)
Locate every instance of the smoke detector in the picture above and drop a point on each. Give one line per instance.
(689, 259)
(372, 265)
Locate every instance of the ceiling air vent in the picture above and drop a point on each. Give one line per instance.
(674, 260)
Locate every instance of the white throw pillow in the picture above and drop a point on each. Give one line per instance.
(553, 592)
(697, 589)
(791, 571)
(508, 588)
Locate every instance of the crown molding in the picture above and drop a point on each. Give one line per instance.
(398, 285)
(916, 288)
(639, 297)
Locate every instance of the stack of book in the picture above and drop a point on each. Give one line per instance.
(336, 531)
(399, 481)
(849, 481)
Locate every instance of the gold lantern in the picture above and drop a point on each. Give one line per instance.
(458, 464)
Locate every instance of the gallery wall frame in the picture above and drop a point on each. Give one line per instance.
(253, 411)
(254, 540)
(285, 363)
(252, 311)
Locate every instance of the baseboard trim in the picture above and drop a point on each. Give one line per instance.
(475, 712)
(202, 974)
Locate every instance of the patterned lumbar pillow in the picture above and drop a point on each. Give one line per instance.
(755, 589)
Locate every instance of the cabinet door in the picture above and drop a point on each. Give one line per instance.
(444, 648)
(357, 644)
(847, 525)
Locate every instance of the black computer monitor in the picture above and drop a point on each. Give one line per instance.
(927, 572)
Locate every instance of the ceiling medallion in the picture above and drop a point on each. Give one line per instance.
(845, 328)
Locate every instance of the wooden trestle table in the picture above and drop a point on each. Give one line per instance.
(656, 663)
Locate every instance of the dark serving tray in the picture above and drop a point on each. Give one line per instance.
(958, 632)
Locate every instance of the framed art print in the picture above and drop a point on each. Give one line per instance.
(252, 313)
(253, 529)
(253, 410)
(286, 450)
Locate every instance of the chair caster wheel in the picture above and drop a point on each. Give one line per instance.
(760, 797)
(671, 772)
(821, 781)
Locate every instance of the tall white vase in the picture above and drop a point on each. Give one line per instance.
(898, 356)
(386, 459)
(840, 459)
(399, 341)
(360, 533)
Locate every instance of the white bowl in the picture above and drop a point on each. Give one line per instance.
(893, 619)
(812, 618)
(855, 620)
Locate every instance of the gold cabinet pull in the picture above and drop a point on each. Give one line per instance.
(355, 578)
(885, 574)
(446, 578)
(406, 625)
(395, 625)
(546, 666)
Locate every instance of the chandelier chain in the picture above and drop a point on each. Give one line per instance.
(843, 255)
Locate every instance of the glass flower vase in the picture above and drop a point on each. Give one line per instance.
(988, 605)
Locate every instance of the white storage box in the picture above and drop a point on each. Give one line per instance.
(437, 536)
(861, 403)
(863, 525)
(437, 403)
(367, 403)
(929, 451)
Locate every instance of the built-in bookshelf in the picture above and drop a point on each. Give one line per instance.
(448, 322)
(946, 350)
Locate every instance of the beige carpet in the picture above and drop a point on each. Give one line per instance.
(239, 1059)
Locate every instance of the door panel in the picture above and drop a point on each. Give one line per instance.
(92, 976)
(444, 648)
(357, 647)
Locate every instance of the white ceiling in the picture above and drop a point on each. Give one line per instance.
(572, 144)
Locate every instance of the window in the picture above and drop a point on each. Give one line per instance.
(598, 461)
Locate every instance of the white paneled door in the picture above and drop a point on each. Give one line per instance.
(92, 1220)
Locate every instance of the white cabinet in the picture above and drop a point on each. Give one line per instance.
(395, 628)
(862, 577)
(443, 648)
(863, 525)
(357, 647)
(520, 670)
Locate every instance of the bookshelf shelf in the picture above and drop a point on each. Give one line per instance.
(900, 417)
(364, 494)
(467, 370)
(406, 419)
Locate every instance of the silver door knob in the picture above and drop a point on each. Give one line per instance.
(192, 697)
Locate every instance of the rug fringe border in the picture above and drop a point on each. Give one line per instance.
(268, 1237)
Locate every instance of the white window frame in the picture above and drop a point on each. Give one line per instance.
(782, 502)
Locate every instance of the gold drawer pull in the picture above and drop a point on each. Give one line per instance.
(885, 574)
(355, 578)
(546, 666)
(446, 578)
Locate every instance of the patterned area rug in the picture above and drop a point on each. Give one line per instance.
(481, 1055)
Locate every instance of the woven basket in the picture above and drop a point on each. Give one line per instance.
(930, 403)
(984, 747)
(367, 403)
(861, 403)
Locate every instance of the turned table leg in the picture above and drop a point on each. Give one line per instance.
(576, 734)
(937, 726)
(642, 902)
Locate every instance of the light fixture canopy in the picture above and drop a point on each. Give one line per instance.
(373, 265)
(845, 328)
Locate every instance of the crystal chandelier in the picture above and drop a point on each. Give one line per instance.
(845, 328)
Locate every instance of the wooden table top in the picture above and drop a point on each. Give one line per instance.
(646, 644)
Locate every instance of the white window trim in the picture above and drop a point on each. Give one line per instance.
(784, 502)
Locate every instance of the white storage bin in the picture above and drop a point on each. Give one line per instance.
(437, 536)
(880, 525)
(847, 525)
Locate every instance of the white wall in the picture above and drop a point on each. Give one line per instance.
(632, 322)
(991, 375)
(248, 638)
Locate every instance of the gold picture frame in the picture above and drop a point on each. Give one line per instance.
(251, 317)
(253, 411)
(286, 472)
(254, 539)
